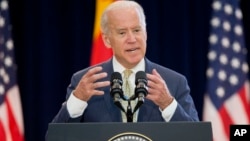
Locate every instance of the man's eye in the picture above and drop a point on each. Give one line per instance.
(137, 30)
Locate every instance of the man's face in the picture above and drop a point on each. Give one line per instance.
(126, 36)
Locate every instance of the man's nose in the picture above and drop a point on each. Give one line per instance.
(131, 36)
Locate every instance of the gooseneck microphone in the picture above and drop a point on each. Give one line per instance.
(140, 88)
(116, 89)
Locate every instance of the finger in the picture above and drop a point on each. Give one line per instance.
(156, 83)
(153, 78)
(156, 73)
(97, 76)
(93, 71)
(152, 91)
(98, 92)
(161, 79)
(101, 84)
(152, 84)
(94, 74)
(150, 76)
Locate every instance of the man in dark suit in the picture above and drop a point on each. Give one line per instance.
(88, 95)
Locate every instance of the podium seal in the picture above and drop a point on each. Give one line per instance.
(130, 136)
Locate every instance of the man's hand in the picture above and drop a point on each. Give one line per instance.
(158, 91)
(88, 85)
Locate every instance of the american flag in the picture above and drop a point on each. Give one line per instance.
(11, 121)
(227, 100)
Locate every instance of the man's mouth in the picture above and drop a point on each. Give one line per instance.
(131, 50)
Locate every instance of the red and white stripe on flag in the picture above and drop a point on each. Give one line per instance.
(227, 100)
(234, 111)
(11, 120)
(99, 51)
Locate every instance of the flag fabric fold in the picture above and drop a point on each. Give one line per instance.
(11, 120)
(227, 99)
(99, 51)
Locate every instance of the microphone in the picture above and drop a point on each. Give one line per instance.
(116, 89)
(140, 88)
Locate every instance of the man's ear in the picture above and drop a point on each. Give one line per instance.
(106, 40)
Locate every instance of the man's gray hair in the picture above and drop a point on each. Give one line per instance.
(122, 4)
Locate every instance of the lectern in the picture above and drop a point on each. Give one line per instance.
(142, 131)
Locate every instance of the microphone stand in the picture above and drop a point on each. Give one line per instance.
(129, 112)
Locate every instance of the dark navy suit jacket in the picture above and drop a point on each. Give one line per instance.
(102, 109)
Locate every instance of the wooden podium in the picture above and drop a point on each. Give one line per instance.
(142, 131)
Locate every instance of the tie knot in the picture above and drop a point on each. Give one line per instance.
(127, 73)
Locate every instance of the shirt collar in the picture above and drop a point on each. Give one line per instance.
(119, 68)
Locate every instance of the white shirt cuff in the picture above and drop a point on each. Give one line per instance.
(168, 112)
(75, 106)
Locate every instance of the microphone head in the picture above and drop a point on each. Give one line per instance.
(116, 76)
(141, 83)
(140, 76)
(116, 85)
(116, 89)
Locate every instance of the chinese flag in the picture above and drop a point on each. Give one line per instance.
(99, 51)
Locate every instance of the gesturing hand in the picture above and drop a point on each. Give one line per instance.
(158, 91)
(88, 85)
